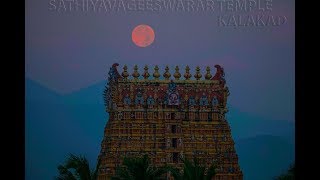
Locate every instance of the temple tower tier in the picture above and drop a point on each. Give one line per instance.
(168, 119)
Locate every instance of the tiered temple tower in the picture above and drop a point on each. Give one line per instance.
(168, 118)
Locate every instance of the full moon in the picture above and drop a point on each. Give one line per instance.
(143, 35)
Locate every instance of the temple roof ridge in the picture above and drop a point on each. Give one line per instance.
(155, 73)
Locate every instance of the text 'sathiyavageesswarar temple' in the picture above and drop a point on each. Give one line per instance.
(168, 119)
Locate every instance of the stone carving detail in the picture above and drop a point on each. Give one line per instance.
(219, 75)
(173, 95)
(203, 100)
(215, 101)
(127, 100)
(139, 98)
(192, 101)
(150, 100)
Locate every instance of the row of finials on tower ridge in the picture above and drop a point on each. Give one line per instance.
(177, 75)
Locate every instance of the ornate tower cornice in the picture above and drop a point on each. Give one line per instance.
(114, 75)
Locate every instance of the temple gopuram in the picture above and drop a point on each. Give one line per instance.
(168, 118)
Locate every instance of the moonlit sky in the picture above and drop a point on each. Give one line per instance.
(68, 56)
(68, 51)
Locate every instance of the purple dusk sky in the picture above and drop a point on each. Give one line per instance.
(70, 50)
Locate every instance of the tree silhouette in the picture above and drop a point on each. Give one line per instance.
(193, 171)
(289, 175)
(138, 168)
(77, 168)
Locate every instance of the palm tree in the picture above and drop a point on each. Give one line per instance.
(193, 171)
(77, 168)
(289, 175)
(138, 168)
